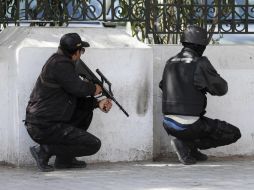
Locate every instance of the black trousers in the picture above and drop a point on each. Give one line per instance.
(67, 140)
(205, 133)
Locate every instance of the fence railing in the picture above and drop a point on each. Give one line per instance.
(148, 17)
(230, 16)
(69, 11)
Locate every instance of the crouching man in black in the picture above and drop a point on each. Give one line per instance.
(60, 109)
(187, 78)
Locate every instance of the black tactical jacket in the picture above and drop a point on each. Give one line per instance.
(55, 94)
(186, 79)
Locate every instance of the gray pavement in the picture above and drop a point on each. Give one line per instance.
(233, 174)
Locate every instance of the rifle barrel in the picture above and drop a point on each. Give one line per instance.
(121, 108)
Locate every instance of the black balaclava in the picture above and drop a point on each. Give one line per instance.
(199, 49)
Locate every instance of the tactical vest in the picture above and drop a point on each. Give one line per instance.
(180, 96)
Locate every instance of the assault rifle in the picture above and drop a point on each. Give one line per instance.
(83, 71)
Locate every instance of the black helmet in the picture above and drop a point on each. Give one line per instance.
(71, 42)
(195, 35)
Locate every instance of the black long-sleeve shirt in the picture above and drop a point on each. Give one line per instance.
(207, 79)
(186, 80)
(55, 94)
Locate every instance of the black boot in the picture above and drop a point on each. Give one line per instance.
(64, 163)
(199, 156)
(183, 152)
(41, 156)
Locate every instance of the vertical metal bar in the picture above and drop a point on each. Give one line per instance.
(205, 14)
(83, 15)
(147, 16)
(26, 10)
(1, 15)
(112, 10)
(129, 9)
(104, 11)
(178, 10)
(233, 26)
(85, 10)
(65, 15)
(164, 16)
(17, 12)
(174, 35)
(246, 25)
(219, 16)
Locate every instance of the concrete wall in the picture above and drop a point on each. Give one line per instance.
(126, 62)
(135, 70)
(236, 64)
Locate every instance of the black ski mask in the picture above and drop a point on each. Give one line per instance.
(199, 49)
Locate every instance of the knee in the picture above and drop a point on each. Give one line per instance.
(96, 145)
(237, 134)
(233, 130)
(228, 133)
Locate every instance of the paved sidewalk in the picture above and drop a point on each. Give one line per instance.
(210, 175)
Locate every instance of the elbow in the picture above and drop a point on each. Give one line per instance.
(222, 93)
(219, 90)
(223, 90)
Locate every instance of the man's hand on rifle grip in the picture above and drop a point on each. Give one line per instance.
(98, 90)
(105, 105)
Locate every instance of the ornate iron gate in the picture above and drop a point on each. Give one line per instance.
(156, 18)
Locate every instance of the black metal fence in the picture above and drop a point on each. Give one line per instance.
(150, 17)
(69, 11)
(223, 16)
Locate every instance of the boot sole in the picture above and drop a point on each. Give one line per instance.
(35, 156)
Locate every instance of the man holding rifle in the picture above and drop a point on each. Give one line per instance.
(60, 109)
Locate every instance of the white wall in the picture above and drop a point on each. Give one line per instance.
(235, 63)
(135, 71)
(126, 62)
